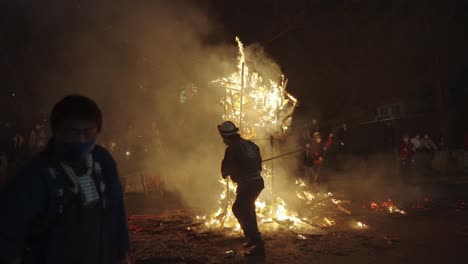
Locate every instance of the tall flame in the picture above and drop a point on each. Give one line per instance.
(264, 109)
(261, 106)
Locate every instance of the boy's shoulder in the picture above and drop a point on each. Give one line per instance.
(42, 160)
(100, 153)
(106, 161)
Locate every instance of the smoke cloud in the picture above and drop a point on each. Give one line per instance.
(136, 59)
(139, 60)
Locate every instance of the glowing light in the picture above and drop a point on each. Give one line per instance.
(260, 104)
(387, 206)
(328, 221)
(361, 225)
(265, 109)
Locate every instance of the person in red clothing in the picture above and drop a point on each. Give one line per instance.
(330, 141)
(331, 149)
(407, 151)
(313, 157)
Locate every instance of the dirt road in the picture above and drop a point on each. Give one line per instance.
(420, 236)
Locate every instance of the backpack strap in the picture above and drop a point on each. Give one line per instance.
(55, 181)
(55, 187)
(100, 182)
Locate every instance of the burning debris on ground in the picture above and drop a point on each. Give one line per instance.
(386, 206)
(264, 108)
(180, 237)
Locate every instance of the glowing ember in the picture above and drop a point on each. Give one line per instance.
(360, 225)
(387, 206)
(329, 222)
(424, 204)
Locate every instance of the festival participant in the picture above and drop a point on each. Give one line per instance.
(243, 162)
(66, 205)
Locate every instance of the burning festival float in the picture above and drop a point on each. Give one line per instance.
(263, 110)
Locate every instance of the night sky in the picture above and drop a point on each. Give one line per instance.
(336, 54)
(354, 52)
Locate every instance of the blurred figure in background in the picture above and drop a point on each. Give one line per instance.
(330, 144)
(416, 142)
(313, 158)
(314, 127)
(18, 141)
(407, 151)
(19, 152)
(37, 139)
(428, 148)
(441, 144)
(33, 138)
(331, 148)
(427, 144)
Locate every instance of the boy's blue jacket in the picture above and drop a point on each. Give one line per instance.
(31, 205)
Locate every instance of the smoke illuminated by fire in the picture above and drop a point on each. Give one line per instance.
(263, 109)
(260, 106)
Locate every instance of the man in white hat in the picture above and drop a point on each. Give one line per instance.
(243, 162)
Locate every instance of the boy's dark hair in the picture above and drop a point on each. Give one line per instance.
(75, 106)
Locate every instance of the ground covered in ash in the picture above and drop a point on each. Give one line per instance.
(161, 232)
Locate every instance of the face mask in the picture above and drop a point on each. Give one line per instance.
(226, 141)
(75, 151)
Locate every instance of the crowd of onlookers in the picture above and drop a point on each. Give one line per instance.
(422, 153)
(418, 154)
(424, 156)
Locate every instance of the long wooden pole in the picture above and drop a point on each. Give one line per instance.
(241, 97)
